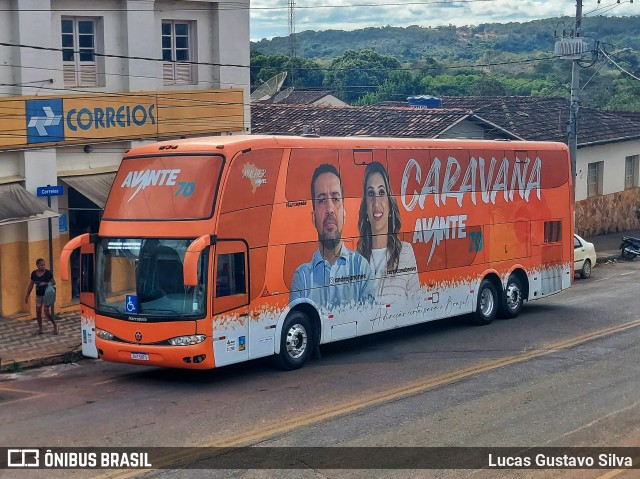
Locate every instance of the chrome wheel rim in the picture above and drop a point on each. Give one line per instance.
(586, 269)
(513, 296)
(486, 302)
(297, 340)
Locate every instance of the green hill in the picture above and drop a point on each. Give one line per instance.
(450, 42)
(372, 65)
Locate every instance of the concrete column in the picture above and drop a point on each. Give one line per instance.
(142, 37)
(40, 170)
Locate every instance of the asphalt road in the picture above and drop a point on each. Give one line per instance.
(564, 373)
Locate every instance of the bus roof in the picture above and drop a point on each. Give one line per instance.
(240, 142)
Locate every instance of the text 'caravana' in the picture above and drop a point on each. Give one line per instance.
(507, 178)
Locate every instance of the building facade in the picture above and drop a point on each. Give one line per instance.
(81, 82)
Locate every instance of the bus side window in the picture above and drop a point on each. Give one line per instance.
(230, 275)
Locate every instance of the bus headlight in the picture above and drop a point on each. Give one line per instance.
(187, 340)
(102, 334)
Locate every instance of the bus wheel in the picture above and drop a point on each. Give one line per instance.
(487, 303)
(511, 299)
(296, 342)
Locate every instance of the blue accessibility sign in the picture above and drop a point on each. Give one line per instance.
(44, 120)
(131, 303)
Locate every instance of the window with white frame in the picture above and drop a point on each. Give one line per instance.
(594, 178)
(79, 47)
(631, 171)
(178, 52)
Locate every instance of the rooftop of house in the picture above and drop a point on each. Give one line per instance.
(367, 121)
(529, 118)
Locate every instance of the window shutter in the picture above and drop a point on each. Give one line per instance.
(88, 74)
(183, 73)
(167, 73)
(69, 74)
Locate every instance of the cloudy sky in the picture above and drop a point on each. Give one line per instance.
(269, 18)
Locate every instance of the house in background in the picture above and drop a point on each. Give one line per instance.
(80, 86)
(607, 165)
(290, 96)
(607, 180)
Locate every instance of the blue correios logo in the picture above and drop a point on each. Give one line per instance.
(44, 120)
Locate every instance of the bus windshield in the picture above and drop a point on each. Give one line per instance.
(144, 277)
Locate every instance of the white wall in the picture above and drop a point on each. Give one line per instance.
(464, 129)
(104, 157)
(8, 55)
(232, 30)
(11, 166)
(34, 27)
(613, 155)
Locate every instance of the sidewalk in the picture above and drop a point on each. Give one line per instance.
(608, 246)
(20, 348)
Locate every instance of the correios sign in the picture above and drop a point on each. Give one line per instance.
(83, 118)
(118, 116)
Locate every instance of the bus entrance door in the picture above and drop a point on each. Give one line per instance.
(230, 302)
(87, 300)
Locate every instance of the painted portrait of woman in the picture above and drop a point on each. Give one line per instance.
(392, 261)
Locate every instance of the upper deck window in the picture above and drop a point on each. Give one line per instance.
(165, 188)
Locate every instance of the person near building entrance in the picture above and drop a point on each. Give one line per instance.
(41, 278)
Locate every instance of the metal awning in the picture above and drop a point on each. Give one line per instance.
(94, 187)
(18, 205)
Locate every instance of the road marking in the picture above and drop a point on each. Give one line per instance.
(31, 395)
(627, 274)
(416, 387)
(601, 279)
(617, 472)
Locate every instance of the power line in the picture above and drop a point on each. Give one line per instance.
(121, 57)
(244, 6)
(618, 66)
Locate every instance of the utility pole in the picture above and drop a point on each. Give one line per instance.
(572, 48)
(574, 103)
(291, 5)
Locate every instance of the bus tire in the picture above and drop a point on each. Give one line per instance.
(512, 299)
(296, 342)
(487, 305)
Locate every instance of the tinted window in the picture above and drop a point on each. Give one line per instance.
(230, 275)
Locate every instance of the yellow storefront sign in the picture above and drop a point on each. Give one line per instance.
(39, 121)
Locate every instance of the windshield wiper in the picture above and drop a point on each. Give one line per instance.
(164, 310)
(108, 306)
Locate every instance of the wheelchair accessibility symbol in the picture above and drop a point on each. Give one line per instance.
(131, 303)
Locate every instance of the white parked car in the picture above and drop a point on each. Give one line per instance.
(584, 256)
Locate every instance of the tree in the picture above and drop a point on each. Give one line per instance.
(306, 73)
(397, 87)
(356, 73)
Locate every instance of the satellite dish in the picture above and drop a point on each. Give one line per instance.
(282, 95)
(268, 88)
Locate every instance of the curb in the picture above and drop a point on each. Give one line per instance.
(72, 356)
(608, 258)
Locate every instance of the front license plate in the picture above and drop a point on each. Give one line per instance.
(140, 356)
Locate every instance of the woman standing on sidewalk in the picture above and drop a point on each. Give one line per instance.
(41, 278)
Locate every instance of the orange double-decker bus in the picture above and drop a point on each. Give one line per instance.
(218, 250)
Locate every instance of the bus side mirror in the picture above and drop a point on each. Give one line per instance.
(192, 257)
(65, 255)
